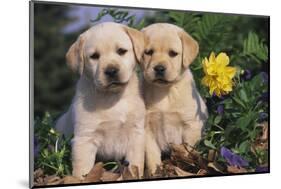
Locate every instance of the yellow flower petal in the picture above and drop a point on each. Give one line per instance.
(230, 71)
(222, 59)
(211, 70)
(227, 88)
(218, 92)
(212, 89)
(212, 57)
(218, 76)
(207, 80)
(205, 65)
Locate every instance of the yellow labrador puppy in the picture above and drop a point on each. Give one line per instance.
(175, 110)
(107, 113)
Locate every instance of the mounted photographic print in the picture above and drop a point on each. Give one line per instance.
(121, 94)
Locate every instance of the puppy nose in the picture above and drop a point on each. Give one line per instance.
(111, 72)
(160, 70)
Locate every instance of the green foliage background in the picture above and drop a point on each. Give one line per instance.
(244, 38)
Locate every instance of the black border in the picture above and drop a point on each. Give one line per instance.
(31, 93)
(31, 62)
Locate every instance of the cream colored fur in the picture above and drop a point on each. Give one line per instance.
(175, 110)
(107, 120)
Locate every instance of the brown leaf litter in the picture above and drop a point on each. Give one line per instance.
(183, 161)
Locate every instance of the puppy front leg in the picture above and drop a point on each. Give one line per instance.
(192, 132)
(152, 153)
(83, 156)
(135, 151)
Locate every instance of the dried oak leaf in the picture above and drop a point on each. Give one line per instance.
(109, 176)
(262, 140)
(52, 180)
(179, 153)
(39, 181)
(38, 173)
(216, 167)
(182, 173)
(264, 136)
(158, 173)
(71, 180)
(234, 169)
(211, 155)
(130, 173)
(95, 174)
(202, 172)
(169, 169)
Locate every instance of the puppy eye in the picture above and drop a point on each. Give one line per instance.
(172, 53)
(95, 56)
(121, 51)
(149, 52)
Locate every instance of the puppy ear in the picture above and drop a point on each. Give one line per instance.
(190, 48)
(74, 56)
(137, 39)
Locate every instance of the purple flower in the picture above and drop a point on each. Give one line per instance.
(264, 97)
(262, 116)
(264, 77)
(209, 103)
(36, 147)
(220, 109)
(222, 97)
(233, 159)
(247, 75)
(260, 169)
(51, 148)
(126, 163)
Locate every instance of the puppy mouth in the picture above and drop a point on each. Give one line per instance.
(116, 84)
(161, 81)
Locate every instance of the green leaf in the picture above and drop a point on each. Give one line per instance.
(188, 21)
(210, 25)
(254, 47)
(244, 122)
(244, 147)
(243, 95)
(238, 101)
(209, 144)
(217, 119)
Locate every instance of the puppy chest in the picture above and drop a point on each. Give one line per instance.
(167, 127)
(114, 143)
(115, 137)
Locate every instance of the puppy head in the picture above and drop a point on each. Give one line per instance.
(107, 54)
(168, 52)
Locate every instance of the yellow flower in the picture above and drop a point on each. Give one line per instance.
(218, 76)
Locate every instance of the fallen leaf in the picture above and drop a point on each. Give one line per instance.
(178, 151)
(109, 176)
(264, 136)
(211, 155)
(261, 142)
(181, 172)
(180, 154)
(202, 163)
(233, 169)
(135, 171)
(202, 172)
(71, 180)
(126, 174)
(38, 173)
(191, 150)
(216, 167)
(52, 180)
(39, 181)
(95, 174)
(158, 173)
(120, 178)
